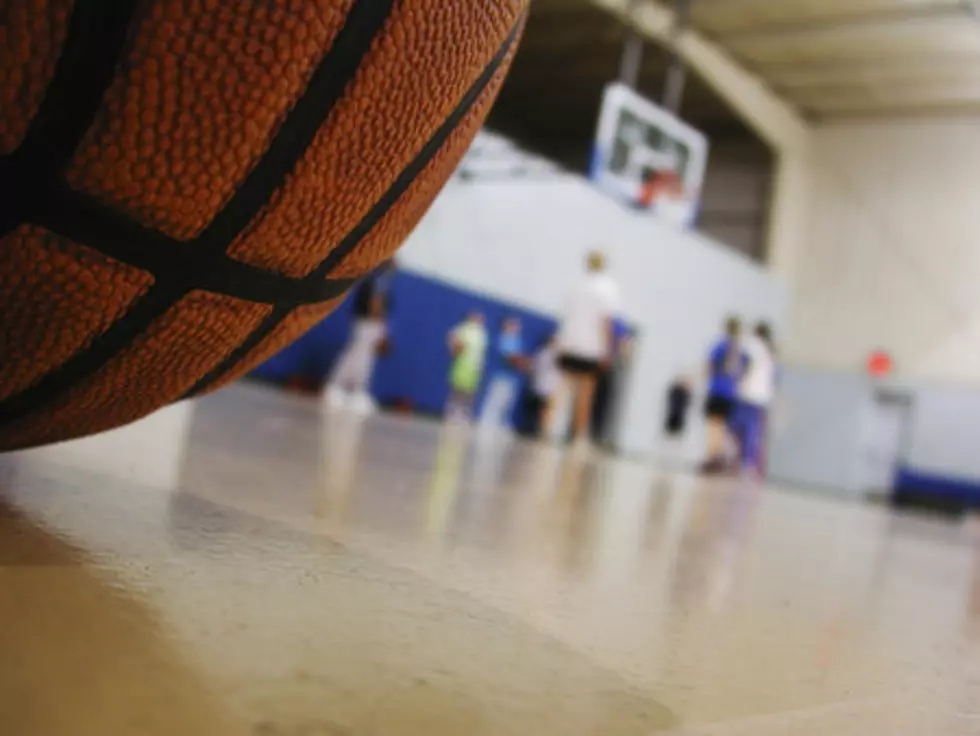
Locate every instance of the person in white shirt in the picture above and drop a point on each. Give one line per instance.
(585, 344)
(756, 391)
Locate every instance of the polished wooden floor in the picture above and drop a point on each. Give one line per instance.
(251, 564)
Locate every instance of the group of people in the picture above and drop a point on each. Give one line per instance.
(565, 370)
(742, 379)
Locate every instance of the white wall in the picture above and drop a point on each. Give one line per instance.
(525, 241)
(818, 438)
(815, 434)
(945, 432)
(891, 258)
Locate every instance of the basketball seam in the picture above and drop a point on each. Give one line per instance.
(374, 215)
(85, 221)
(327, 84)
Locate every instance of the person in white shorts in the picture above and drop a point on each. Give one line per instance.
(586, 340)
(351, 377)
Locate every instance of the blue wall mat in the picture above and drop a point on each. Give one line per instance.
(424, 310)
(963, 491)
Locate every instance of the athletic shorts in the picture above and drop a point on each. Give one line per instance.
(578, 366)
(719, 407)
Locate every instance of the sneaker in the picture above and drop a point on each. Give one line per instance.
(335, 398)
(362, 403)
(714, 466)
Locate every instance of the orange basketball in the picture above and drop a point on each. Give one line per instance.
(188, 185)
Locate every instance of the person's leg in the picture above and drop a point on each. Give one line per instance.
(452, 405)
(751, 436)
(600, 407)
(536, 413)
(352, 371)
(362, 364)
(342, 372)
(509, 403)
(556, 424)
(716, 432)
(544, 410)
(738, 425)
(365, 347)
(339, 381)
(585, 392)
(762, 447)
(496, 403)
(468, 404)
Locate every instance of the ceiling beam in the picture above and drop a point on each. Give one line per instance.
(822, 98)
(772, 118)
(847, 21)
(878, 111)
(794, 73)
(789, 84)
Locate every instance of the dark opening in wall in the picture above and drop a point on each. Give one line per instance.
(550, 106)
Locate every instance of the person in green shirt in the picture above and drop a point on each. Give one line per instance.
(468, 345)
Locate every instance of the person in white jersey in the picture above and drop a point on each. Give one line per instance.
(586, 341)
(756, 391)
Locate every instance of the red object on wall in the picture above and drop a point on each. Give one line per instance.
(880, 364)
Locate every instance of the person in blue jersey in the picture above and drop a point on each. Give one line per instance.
(727, 363)
(503, 390)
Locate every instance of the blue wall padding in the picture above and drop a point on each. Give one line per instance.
(423, 312)
(962, 491)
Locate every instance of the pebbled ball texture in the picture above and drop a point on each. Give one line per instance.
(197, 182)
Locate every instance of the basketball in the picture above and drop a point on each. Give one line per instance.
(186, 186)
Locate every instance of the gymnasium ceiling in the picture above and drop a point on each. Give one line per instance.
(833, 58)
(830, 59)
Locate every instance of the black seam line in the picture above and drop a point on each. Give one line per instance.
(93, 45)
(83, 220)
(354, 237)
(157, 298)
(327, 85)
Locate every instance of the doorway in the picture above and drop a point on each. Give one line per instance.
(885, 440)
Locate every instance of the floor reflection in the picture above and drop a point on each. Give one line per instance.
(302, 569)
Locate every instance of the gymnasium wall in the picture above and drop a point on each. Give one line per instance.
(816, 428)
(821, 427)
(524, 242)
(890, 259)
(424, 311)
